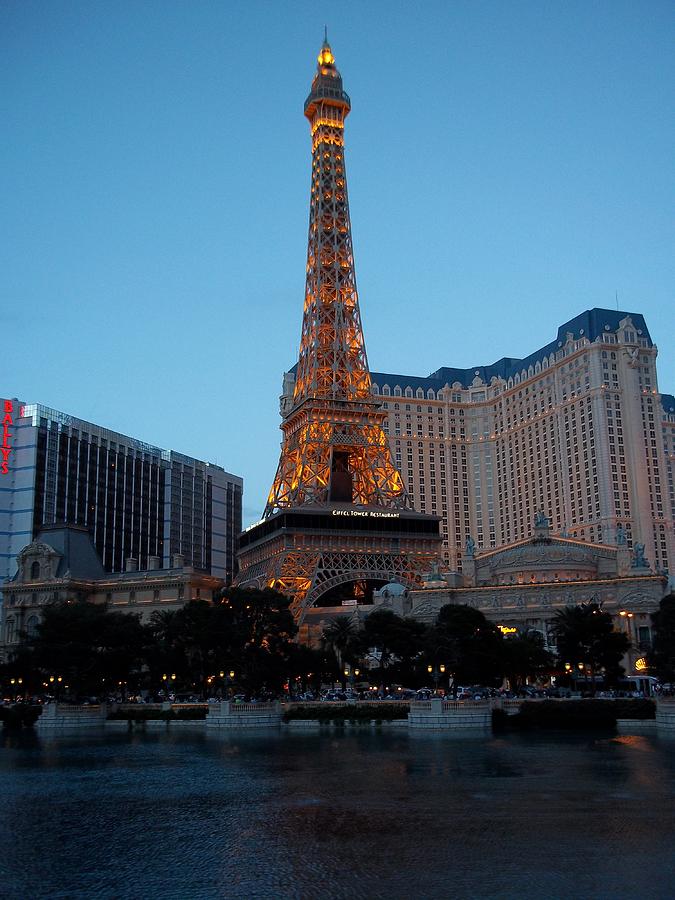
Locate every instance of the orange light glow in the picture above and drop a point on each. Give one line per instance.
(325, 57)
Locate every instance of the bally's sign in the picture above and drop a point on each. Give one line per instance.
(6, 448)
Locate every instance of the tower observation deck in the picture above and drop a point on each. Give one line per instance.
(338, 520)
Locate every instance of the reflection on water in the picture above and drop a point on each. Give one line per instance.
(191, 815)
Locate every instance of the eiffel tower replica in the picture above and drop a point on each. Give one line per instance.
(338, 521)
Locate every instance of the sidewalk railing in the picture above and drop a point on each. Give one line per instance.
(265, 708)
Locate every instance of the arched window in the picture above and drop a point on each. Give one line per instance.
(397, 391)
(386, 390)
(35, 571)
(10, 630)
(31, 626)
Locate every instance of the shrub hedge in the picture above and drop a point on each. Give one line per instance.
(166, 715)
(361, 712)
(19, 716)
(575, 714)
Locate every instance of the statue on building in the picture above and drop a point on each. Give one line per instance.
(470, 547)
(540, 520)
(621, 535)
(639, 560)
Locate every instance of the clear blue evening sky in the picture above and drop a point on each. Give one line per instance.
(509, 165)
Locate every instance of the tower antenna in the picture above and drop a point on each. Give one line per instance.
(616, 297)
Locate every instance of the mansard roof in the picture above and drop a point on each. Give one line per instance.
(74, 545)
(590, 324)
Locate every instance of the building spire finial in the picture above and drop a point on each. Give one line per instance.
(326, 57)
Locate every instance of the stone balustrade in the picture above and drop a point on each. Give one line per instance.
(665, 716)
(61, 715)
(439, 714)
(230, 714)
(510, 705)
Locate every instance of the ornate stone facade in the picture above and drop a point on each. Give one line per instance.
(62, 564)
(524, 584)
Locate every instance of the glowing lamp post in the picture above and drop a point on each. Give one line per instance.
(349, 675)
(228, 680)
(55, 683)
(169, 681)
(436, 671)
(626, 617)
(16, 686)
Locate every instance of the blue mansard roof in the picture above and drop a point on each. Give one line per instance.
(668, 403)
(590, 324)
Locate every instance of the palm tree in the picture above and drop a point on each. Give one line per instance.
(586, 639)
(337, 636)
(163, 622)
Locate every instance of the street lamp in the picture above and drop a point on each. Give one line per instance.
(627, 616)
(16, 686)
(168, 680)
(436, 671)
(583, 672)
(55, 682)
(228, 678)
(350, 673)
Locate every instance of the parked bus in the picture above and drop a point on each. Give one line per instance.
(639, 684)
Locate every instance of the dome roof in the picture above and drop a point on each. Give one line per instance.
(394, 588)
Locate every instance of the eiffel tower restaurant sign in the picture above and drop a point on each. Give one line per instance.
(338, 521)
(366, 513)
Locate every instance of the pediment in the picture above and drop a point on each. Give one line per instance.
(37, 548)
(533, 553)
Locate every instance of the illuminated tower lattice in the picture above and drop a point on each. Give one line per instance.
(334, 447)
(335, 457)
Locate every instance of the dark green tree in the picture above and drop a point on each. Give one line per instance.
(249, 632)
(309, 667)
(662, 656)
(524, 656)
(397, 641)
(586, 641)
(187, 643)
(256, 633)
(91, 648)
(468, 644)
